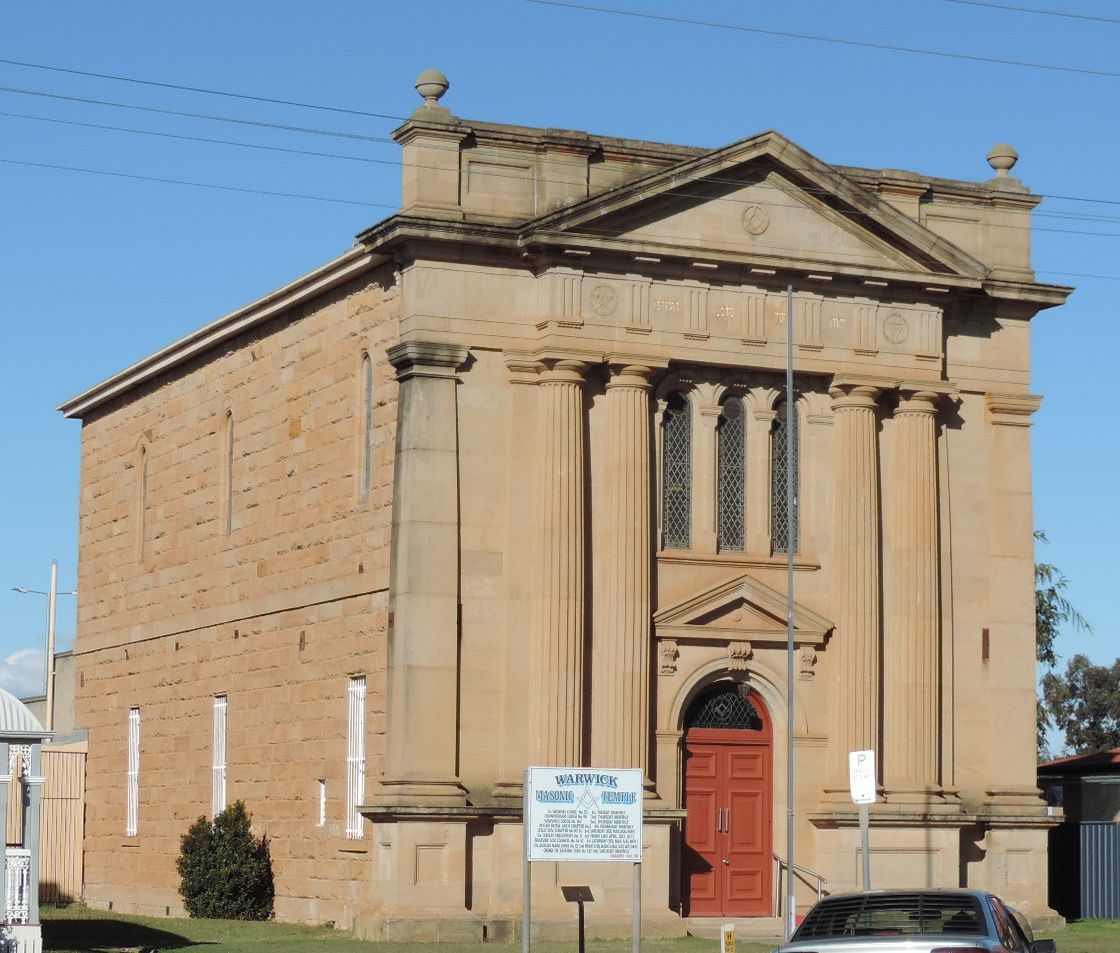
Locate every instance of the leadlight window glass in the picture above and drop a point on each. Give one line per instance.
(676, 507)
(724, 708)
(732, 441)
(781, 516)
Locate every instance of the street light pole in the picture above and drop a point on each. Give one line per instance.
(52, 599)
(52, 603)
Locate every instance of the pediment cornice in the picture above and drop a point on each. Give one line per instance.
(867, 214)
(742, 608)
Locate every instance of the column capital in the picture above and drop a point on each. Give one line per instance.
(425, 359)
(849, 393)
(633, 371)
(563, 371)
(921, 397)
(561, 365)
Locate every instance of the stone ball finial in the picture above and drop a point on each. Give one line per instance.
(432, 84)
(1002, 157)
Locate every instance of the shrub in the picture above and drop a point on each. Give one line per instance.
(226, 872)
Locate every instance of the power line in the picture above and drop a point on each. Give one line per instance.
(350, 158)
(200, 185)
(189, 115)
(1036, 10)
(319, 198)
(379, 139)
(201, 89)
(836, 40)
(217, 142)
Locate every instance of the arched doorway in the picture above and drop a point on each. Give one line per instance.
(728, 783)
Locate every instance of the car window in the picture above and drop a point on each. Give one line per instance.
(1006, 929)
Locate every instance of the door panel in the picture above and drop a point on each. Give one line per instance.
(727, 861)
(703, 873)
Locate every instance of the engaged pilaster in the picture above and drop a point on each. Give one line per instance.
(856, 554)
(620, 712)
(912, 601)
(424, 581)
(556, 657)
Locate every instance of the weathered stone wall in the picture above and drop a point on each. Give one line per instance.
(277, 613)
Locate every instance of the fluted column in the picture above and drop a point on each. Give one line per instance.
(556, 657)
(911, 632)
(620, 677)
(856, 555)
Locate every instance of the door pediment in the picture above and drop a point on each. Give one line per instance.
(741, 609)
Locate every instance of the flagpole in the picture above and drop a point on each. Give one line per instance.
(791, 911)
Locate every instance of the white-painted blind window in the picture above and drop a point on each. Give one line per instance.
(132, 782)
(356, 756)
(218, 783)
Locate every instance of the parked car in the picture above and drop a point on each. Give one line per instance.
(914, 921)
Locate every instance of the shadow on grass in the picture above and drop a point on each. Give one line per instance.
(105, 933)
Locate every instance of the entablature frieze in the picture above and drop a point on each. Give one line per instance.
(704, 309)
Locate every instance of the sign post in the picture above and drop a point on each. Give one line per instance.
(861, 779)
(583, 814)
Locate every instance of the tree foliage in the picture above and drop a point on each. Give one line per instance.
(1052, 610)
(225, 871)
(1085, 704)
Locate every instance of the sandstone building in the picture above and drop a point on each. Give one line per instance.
(505, 484)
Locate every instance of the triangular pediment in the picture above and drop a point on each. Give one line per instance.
(744, 609)
(762, 198)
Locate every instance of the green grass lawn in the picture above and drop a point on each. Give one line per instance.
(77, 929)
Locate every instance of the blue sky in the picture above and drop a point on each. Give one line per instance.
(100, 270)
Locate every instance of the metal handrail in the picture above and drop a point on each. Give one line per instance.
(782, 863)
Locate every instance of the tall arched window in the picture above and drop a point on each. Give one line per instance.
(783, 517)
(227, 476)
(676, 496)
(365, 475)
(731, 436)
(141, 500)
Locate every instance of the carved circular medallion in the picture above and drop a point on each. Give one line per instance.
(755, 220)
(895, 328)
(604, 300)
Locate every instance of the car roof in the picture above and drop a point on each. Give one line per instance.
(910, 891)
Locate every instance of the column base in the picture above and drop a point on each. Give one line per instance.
(509, 792)
(1015, 800)
(930, 797)
(427, 792)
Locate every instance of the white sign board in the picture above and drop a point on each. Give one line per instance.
(861, 776)
(584, 814)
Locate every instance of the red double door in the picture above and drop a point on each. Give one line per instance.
(728, 859)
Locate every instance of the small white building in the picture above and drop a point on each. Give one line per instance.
(21, 740)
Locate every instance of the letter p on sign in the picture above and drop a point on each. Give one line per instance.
(861, 776)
